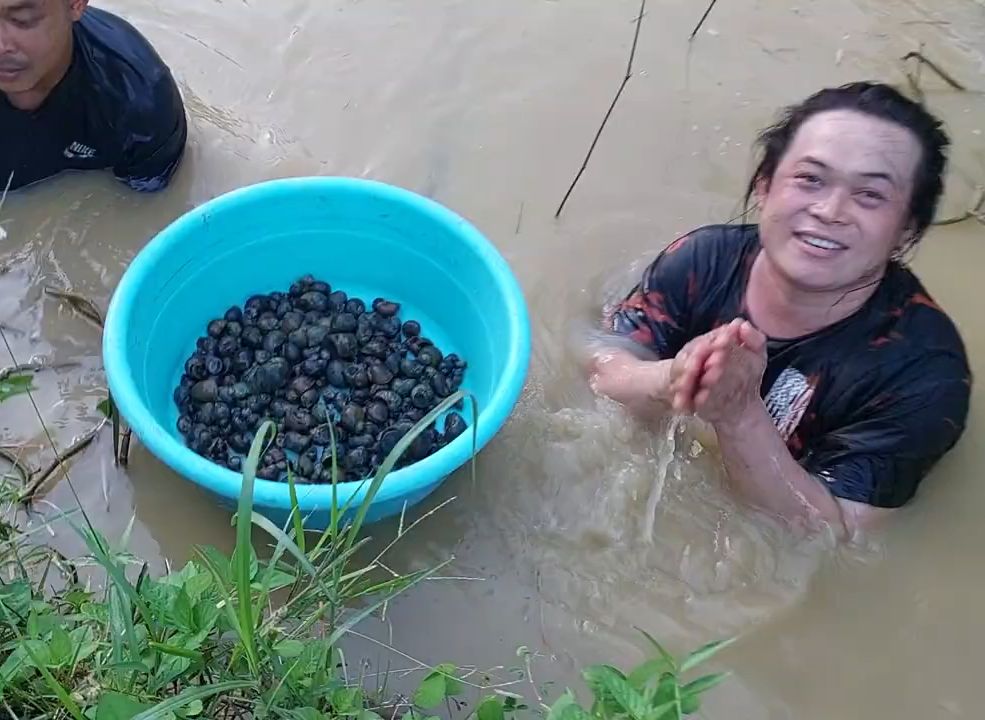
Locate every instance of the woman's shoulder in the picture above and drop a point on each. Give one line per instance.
(917, 324)
(718, 239)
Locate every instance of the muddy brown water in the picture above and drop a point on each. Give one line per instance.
(581, 525)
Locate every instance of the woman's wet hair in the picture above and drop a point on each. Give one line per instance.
(880, 101)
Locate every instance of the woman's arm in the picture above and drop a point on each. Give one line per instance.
(638, 384)
(757, 462)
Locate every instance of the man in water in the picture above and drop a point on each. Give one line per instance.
(83, 90)
(832, 379)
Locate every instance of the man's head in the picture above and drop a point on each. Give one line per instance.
(847, 180)
(35, 46)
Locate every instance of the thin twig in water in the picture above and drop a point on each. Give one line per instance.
(943, 74)
(702, 20)
(971, 212)
(20, 368)
(608, 114)
(36, 366)
(519, 219)
(78, 446)
(414, 524)
(81, 304)
(423, 665)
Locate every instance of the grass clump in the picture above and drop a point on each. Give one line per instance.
(243, 636)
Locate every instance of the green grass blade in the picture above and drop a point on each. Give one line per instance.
(396, 453)
(704, 653)
(177, 651)
(244, 546)
(164, 708)
(668, 658)
(357, 618)
(283, 540)
(296, 513)
(703, 684)
(119, 578)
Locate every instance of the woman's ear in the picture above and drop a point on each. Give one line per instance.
(761, 189)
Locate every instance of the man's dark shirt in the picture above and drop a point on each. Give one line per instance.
(117, 107)
(868, 404)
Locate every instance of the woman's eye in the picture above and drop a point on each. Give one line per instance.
(25, 22)
(808, 179)
(871, 197)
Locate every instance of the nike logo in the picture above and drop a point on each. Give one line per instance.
(79, 151)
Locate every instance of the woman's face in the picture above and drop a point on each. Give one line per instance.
(838, 204)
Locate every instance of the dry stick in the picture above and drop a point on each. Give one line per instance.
(87, 308)
(20, 368)
(83, 305)
(702, 20)
(944, 75)
(971, 212)
(15, 463)
(78, 446)
(612, 106)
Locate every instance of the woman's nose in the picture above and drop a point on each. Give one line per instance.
(830, 208)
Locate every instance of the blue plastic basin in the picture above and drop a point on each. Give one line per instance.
(367, 238)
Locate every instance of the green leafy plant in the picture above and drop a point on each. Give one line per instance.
(244, 636)
(206, 640)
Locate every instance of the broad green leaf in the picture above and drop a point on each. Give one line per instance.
(491, 708)
(649, 670)
(608, 682)
(275, 580)
(289, 648)
(667, 689)
(205, 615)
(347, 700)
(171, 668)
(662, 712)
(105, 407)
(16, 596)
(59, 647)
(453, 685)
(704, 653)
(702, 684)
(83, 642)
(566, 707)
(194, 709)
(16, 663)
(114, 706)
(188, 696)
(690, 704)
(181, 611)
(217, 563)
(56, 687)
(431, 692)
(368, 715)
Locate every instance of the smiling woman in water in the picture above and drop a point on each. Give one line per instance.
(832, 379)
